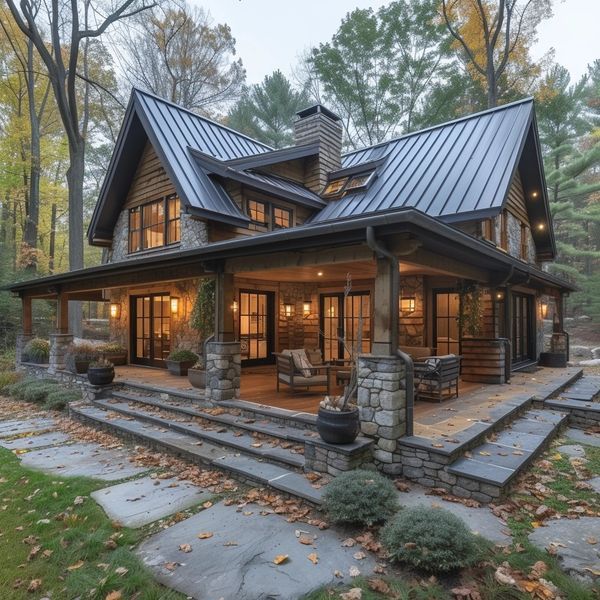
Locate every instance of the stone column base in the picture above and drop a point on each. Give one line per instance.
(22, 340)
(223, 371)
(59, 344)
(382, 407)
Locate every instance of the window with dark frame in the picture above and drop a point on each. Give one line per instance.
(488, 231)
(282, 218)
(504, 230)
(258, 212)
(155, 224)
(344, 185)
(269, 215)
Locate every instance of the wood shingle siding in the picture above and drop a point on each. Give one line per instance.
(516, 200)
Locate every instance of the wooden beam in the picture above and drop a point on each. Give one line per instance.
(446, 265)
(62, 313)
(385, 309)
(26, 309)
(224, 297)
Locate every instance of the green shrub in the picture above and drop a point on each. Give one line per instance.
(7, 359)
(182, 356)
(58, 399)
(8, 378)
(17, 390)
(430, 539)
(360, 496)
(38, 391)
(111, 348)
(37, 350)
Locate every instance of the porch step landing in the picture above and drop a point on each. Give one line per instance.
(214, 450)
(491, 466)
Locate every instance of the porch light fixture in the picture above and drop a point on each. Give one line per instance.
(408, 304)
(115, 310)
(544, 309)
(288, 309)
(499, 295)
(174, 305)
(534, 194)
(306, 308)
(541, 226)
(234, 306)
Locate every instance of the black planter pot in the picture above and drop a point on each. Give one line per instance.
(197, 378)
(101, 375)
(338, 427)
(177, 367)
(553, 359)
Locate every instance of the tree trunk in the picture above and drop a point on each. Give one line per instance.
(75, 174)
(52, 248)
(492, 83)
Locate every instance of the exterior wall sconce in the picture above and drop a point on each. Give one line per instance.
(174, 305)
(408, 305)
(234, 306)
(544, 309)
(306, 308)
(115, 310)
(288, 310)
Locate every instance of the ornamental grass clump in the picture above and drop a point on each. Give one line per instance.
(58, 399)
(39, 391)
(431, 539)
(36, 350)
(361, 497)
(8, 378)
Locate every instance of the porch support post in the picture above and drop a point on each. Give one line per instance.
(26, 334)
(60, 341)
(223, 356)
(385, 308)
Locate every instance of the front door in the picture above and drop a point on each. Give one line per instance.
(446, 334)
(151, 329)
(522, 328)
(340, 324)
(257, 325)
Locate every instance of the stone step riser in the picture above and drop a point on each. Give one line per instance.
(195, 397)
(180, 428)
(163, 446)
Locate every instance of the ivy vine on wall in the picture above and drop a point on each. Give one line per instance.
(470, 313)
(203, 313)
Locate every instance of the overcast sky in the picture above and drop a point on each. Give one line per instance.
(271, 34)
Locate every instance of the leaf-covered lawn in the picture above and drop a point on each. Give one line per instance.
(57, 541)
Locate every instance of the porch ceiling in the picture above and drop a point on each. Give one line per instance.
(334, 272)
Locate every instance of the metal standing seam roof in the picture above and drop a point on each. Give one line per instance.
(463, 166)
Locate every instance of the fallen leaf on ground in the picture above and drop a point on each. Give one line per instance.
(205, 535)
(352, 594)
(360, 555)
(185, 548)
(314, 559)
(379, 586)
(280, 559)
(348, 543)
(75, 566)
(353, 572)
(306, 540)
(115, 595)
(34, 585)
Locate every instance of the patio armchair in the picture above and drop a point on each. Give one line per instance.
(436, 377)
(296, 371)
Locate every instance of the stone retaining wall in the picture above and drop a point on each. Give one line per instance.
(326, 458)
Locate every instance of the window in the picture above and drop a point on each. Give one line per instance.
(504, 230)
(258, 212)
(359, 181)
(344, 185)
(268, 215)
(524, 241)
(487, 230)
(155, 224)
(335, 187)
(282, 218)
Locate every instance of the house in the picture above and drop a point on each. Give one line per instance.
(419, 223)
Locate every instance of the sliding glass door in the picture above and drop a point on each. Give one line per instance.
(256, 324)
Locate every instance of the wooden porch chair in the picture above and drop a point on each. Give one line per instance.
(436, 377)
(309, 375)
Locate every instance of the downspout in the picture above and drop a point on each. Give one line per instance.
(381, 251)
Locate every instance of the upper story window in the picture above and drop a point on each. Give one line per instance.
(345, 185)
(155, 224)
(504, 230)
(488, 230)
(269, 215)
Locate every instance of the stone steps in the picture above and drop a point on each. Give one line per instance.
(237, 441)
(211, 452)
(581, 400)
(490, 467)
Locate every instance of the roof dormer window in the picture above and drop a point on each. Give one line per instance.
(345, 185)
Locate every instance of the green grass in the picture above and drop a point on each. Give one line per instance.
(73, 534)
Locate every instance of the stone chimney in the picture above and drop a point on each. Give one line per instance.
(318, 124)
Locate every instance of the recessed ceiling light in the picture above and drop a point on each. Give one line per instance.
(541, 226)
(320, 273)
(534, 195)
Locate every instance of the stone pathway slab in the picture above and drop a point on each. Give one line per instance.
(480, 521)
(573, 450)
(82, 460)
(18, 426)
(142, 501)
(595, 483)
(237, 561)
(577, 556)
(580, 436)
(36, 441)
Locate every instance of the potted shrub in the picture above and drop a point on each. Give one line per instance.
(338, 419)
(179, 361)
(79, 356)
(101, 372)
(197, 374)
(36, 351)
(114, 352)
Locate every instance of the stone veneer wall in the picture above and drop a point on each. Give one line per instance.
(223, 371)
(194, 233)
(382, 407)
(514, 238)
(298, 331)
(412, 325)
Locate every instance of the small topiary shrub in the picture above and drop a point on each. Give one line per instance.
(58, 399)
(430, 539)
(38, 391)
(37, 350)
(8, 378)
(360, 496)
(182, 356)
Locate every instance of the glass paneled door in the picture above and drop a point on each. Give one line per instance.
(522, 334)
(340, 320)
(446, 333)
(257, 324)
(151, 329)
